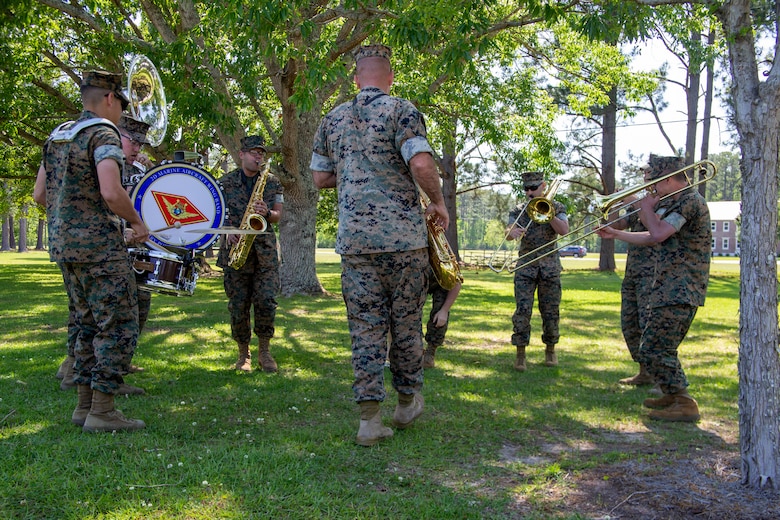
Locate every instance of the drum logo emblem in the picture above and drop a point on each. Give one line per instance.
(177, 208)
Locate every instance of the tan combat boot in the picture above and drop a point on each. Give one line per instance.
(550, 357)
(244, 362)
(267, 362)
(642, 378)
(684, 409)
(409, 408)
(659, 403)
(83, 406)
(520, 359)
(65, 366)
(103, 417)
(371, 429)
(429, 355)
(68, 374)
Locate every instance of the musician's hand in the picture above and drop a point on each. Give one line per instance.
(440, 318)
(648, 202)
(232, 239)
(140, 233)
(606, 232)
(441, 215)
(516, 232)
(260, 207)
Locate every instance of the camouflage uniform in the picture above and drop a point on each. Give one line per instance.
(97, 273)
(543, 275)
(680, 277)
(131, 175)
(256, 284)
(435, 335)
(382, 238)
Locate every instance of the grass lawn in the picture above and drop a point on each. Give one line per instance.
(492, 442)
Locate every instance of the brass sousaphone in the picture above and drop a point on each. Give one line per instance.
(147, 97)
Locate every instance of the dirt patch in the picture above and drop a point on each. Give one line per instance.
(650, 481)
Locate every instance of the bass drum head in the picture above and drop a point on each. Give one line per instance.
(174, 197)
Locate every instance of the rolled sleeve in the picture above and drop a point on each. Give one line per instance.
(413, 146)
(110, 152)
(320, 163)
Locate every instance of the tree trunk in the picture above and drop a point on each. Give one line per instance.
(23, 231)
(39, 243)
(608, 144)
(449, 190)
(707, 122)
(692, 100)
(758, 124)
(297, 229)
(6, 244)
(11, 234)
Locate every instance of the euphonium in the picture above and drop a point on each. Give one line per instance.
(239, 252)
(440, 255)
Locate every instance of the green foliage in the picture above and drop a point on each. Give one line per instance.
(491, 444)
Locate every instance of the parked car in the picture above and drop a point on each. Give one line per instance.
(575, 251)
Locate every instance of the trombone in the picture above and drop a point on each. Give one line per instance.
(540, 210)
(604, 207)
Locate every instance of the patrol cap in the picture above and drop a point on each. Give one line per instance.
(658, 166)
(105, 80)
(251, 142)
(533, 178)
(373, 51)
(135, 129)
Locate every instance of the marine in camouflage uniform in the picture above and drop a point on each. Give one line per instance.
(84, 205)
(253, 287)
(374, 150)
(133, 134)
(438, 319)
(542, 276)
(683, 236)
(133, 137)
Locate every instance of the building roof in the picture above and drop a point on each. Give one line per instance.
(725, 210)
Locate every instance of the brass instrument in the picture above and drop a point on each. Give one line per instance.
(147, 98)
(605, 207)
(540, 210)
(239, 252)
(442, 258)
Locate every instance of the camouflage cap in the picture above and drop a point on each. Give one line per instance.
(659, 166)
(135, 129)
(533, 177)
(373, 51)
(251, 142)
(106, 80)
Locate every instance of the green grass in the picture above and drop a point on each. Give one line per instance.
(221, 444)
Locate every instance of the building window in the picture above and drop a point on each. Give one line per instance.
(713, 226)
(713, 244)
(725, 243)
(726, 226)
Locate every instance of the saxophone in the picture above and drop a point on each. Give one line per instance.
(239, 252)
(440, 255)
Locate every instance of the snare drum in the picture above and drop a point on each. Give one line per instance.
(166, 273)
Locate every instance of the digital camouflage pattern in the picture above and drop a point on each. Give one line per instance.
(85, 239)
(433, 334)
(253, 287)
(384, 294)
(131, 175)
(681, 274)
(368, 143)
(76, 212)
(106, 313)
(635, 289)
(382, 238)
(543, 276)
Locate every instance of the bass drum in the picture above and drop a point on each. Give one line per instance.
(174, 197)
